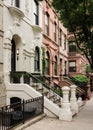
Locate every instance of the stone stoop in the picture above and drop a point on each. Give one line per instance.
(29, 122)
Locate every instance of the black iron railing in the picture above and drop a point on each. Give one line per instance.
(54, 86)
(17, 113)
(35, 81)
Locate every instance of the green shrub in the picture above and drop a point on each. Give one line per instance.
(80, 80)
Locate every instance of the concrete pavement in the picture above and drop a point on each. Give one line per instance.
(83, 121)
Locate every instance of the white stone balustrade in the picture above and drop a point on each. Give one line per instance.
(22, 79)
(80, 103)
(73, 99)
(65, 111)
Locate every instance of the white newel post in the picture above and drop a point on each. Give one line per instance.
(22, 79)
(65, 111)
(73, 99)
(80, 103)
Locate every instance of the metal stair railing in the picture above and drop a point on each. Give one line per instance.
(54, 86)
(37, 84)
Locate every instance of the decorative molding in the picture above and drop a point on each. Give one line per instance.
(17, 14)
(26, 53)
(27, 7)
(37, 30)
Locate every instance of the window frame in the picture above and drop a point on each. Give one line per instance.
(72, 68)
(55, 66)
(60, 37)
(71, 47)
(55, 31)
(37, 59)
(47, 63)
(47, 23)
(15, 3)
(65, 42)
(36, 13)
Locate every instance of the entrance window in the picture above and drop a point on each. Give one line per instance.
(13, 56)
(55, 66)
(37, 60)
(64, 42)
(17, 3)
(60, 66)
(47, 63)
(65, 68)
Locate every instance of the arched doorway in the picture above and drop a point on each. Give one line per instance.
(16, 103)
(47, 63)
(55, 66)
(37, 60)
(13, 56)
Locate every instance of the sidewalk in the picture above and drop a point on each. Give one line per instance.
(84, 121)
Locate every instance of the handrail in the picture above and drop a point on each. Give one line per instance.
(18, 74)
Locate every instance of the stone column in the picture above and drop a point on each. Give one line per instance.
(7, 60)
(2, 85)
(65, 111)
(73, 99)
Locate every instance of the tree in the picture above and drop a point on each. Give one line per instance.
(77, 16)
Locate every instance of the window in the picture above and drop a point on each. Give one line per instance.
(72, 46)
(37, 59)
(64, 42)
(47, 63)
(47, 23)
(17, 3)
(55, 66)
(55, 31)
(65, 72)
(36, 13)
(72, 66)
(60, 37)
(60, 67)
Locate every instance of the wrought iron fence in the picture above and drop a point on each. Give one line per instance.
(19, 112)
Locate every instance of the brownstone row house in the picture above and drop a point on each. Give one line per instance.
(76, 61)
(55, 43)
